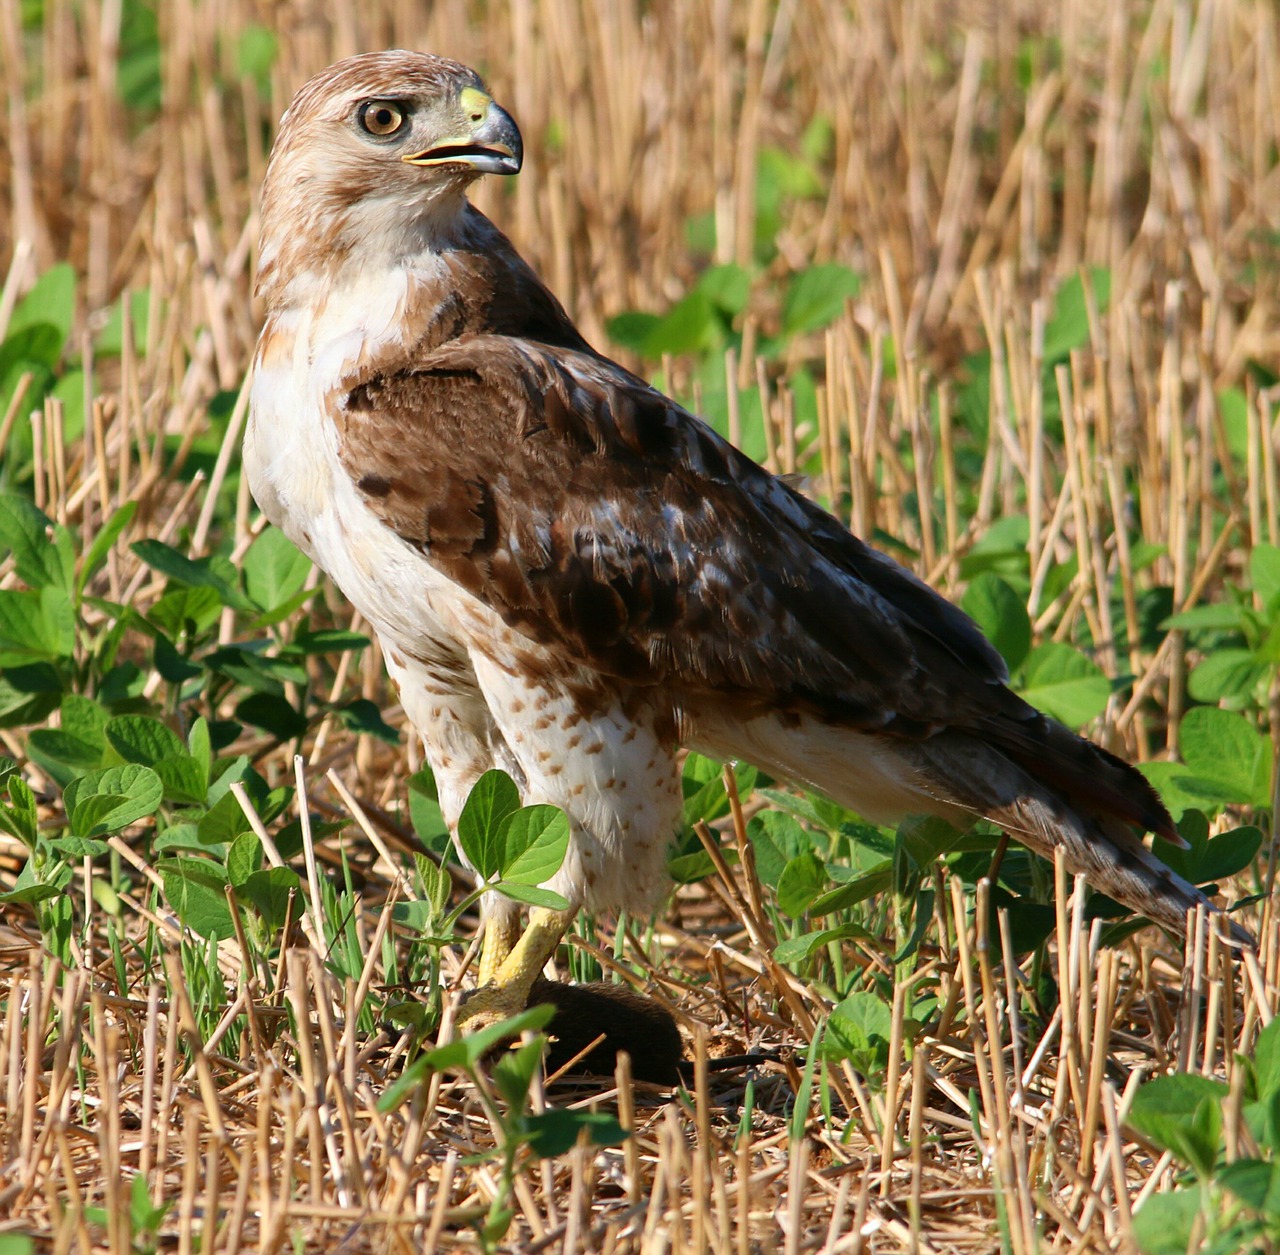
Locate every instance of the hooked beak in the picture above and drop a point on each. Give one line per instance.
(492, 145)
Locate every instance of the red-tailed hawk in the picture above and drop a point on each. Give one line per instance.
(570, 575)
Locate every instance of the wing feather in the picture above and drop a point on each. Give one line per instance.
(599, 518)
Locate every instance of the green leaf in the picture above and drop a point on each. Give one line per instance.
(776, 838)
(108, 800)
(728, 287)
(1264, 572)
(19, 818)
(110, 340)
(363, 717)
(196, 889)
(689, 326)
(534, 842)
(256, 52)
(1165, 1223)
(141, 739)
(513, 1073)
(1181, 1113)
(436, 883)
(1063, 683)
(36, 625)
(532, 895)
(466, 1051)
(243, 858)
(802, 879)
(193, 572)
(424, 810)
(860, 1028)
(1227, 674)
(491, 801)
(556, 1131)
(631, 329)
(269, 891)
(272, 714)
(1002, 616)
(1069, 327)
(1224, 747)
(274, 569)
(103, 540)
(51, 301)
(62, 755)
(1223, 617)
(43, 553)
(1266, 1062)
(816, 297)
(795, 950)
(1255, 1182)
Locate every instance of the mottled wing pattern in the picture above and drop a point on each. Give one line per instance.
(609, 525)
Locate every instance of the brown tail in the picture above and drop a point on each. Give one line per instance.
(1050, 789)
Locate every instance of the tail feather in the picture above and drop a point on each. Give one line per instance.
(1066, 798)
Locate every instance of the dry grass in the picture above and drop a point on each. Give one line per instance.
(974, 164)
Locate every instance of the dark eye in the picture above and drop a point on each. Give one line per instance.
(381, 117)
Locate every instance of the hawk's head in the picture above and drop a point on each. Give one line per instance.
(372, 161)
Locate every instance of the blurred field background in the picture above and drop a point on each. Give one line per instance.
(1000, 280)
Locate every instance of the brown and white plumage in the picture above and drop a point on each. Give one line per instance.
(572, 576)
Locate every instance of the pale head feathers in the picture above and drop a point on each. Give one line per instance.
(341, 201)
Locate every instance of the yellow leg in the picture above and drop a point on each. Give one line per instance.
(506, 992)
(501, 932)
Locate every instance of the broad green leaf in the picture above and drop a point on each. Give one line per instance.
(816, 297)
(1223, 746)
(243, 858)
(534, 842)
(532, 895)
(424, 810)
(19, 817)
(1255, 1182)
(35, 625)
(1069, 327)
(1063, 683)
(487, 807)
(800, 882)
(364, 718)
(795, 950)
(1264, 572)
(1167, 1111)
(193, 572)
(466, 1051)
(43, 553)
(141, 739)
(513, 1073)
(268, 890)
(1165, 1223)
(728, 287)
(689, 326)
(51, 301)
(326, 641)
(1223, 616)
(108, 800)
(63, 755)
(274, 569)
(103, 540)
(775, 838)
(553, 1132)
(196, 889)
(1002, 616)
(1266, 1062)
(632, 329)
(860, 1027)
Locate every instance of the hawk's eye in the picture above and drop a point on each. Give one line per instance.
(381, 118)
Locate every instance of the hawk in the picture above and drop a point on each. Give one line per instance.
(570, 575)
